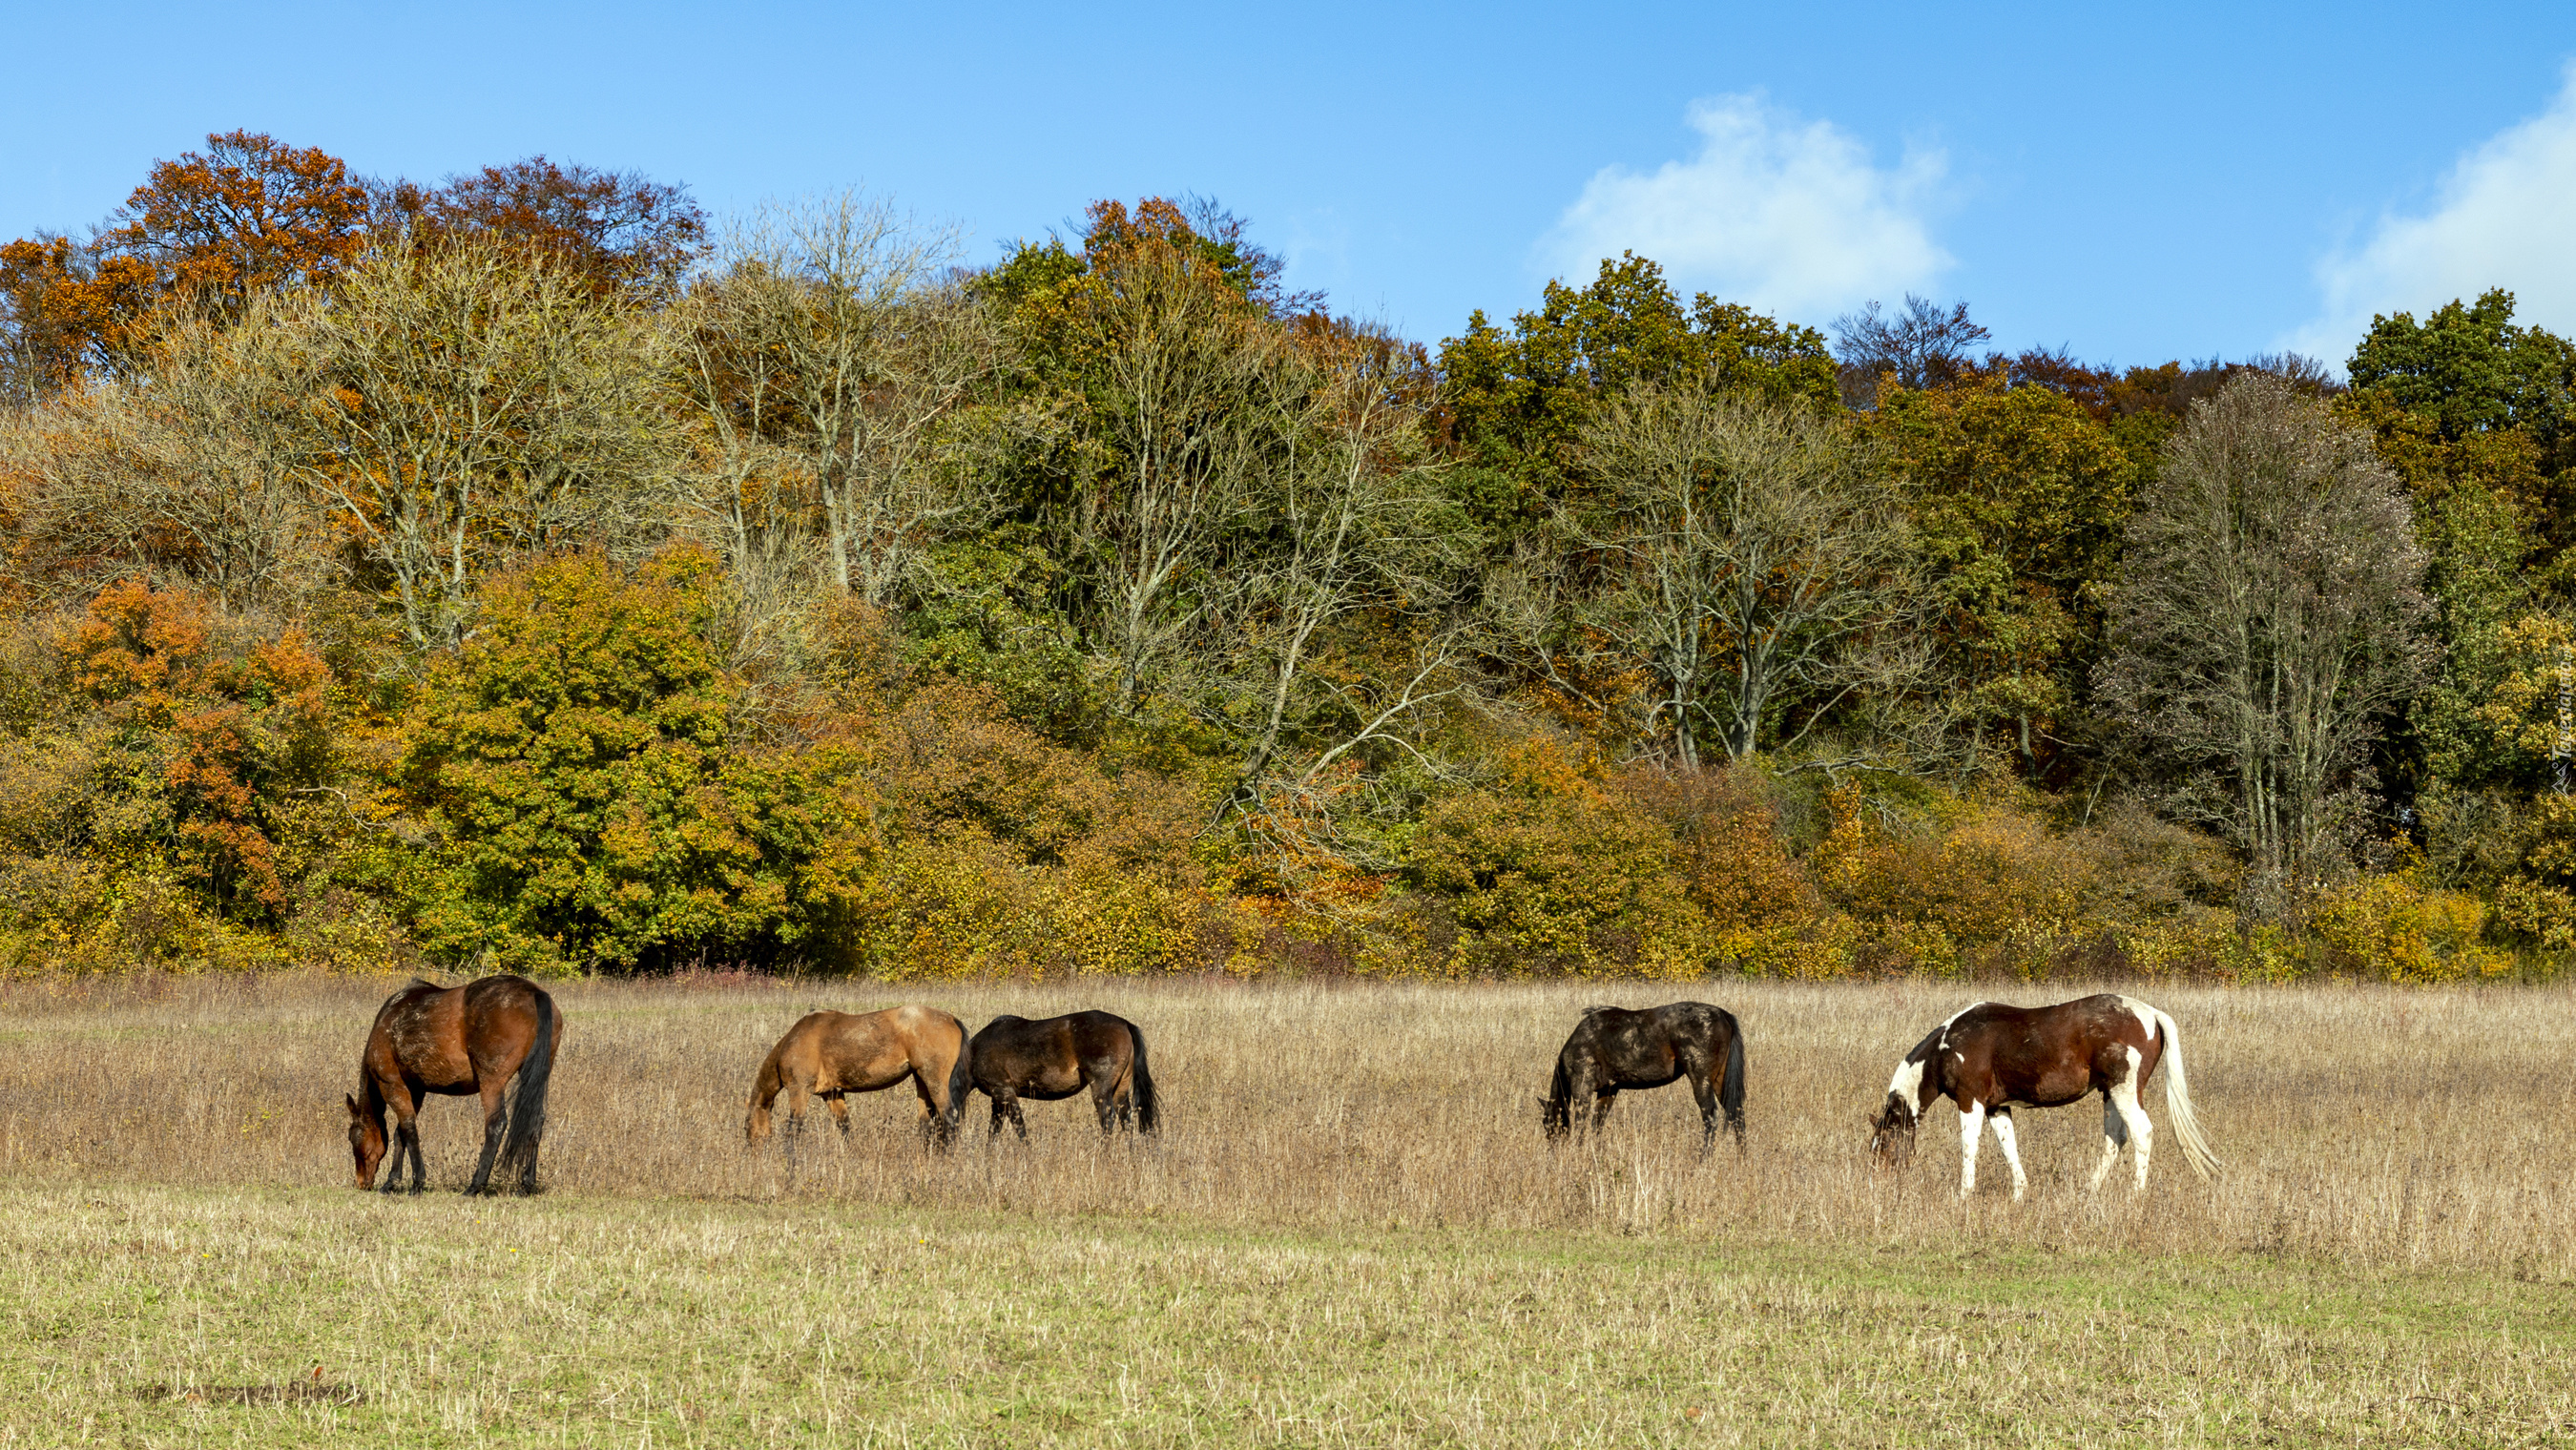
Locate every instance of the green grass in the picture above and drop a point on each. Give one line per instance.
(568, 1320)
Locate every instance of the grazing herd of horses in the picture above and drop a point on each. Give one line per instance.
(1988, 1059)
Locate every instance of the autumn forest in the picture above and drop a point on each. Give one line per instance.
(529, 570)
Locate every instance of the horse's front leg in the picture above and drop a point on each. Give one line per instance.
(2003, 1121)
(496, 1118)
(405, 1143)
(411, 1146)
(840, 1106)
(1602, 1098)
(1972, 1126)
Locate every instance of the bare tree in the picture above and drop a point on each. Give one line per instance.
(468, 405)
(1920, 345)
(1751, 551)
(830, 333)
(1342, 519)
(2272, 616)
(181, 470)
(1178, 356)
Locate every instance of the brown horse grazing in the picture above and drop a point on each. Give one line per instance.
(452, 1041)
(829, 1054)
(1990, 1058)
(1613, 1048)
(1016, 1058)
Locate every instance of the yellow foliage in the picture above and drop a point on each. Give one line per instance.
(2396, 927)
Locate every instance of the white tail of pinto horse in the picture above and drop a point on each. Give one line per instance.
(2186, 1125)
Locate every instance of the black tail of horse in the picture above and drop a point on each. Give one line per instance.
(1556, 1115)
(528, 1105)
(1730, 1093)
(1149, 1116)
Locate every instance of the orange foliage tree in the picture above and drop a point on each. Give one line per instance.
(237, 724)
(621, 232)
(211, 228)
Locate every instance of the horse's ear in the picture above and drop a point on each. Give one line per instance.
(352, 1100)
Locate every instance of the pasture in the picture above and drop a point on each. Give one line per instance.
(1349, 1232)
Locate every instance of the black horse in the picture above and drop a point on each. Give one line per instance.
(1613, 1048)
(1015, 1058)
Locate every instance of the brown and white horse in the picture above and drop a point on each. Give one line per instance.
(1992, 1058)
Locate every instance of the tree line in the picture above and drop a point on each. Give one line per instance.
(527, 568)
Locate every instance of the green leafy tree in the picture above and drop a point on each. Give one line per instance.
(2470, 369)
(579, 761)
(2473, 412)
(2018, 497)
(1518, 399)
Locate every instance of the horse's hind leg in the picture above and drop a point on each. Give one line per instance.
(2115, 1136)
(495, 1120)
(1110, 1097)
(2003, 1122)
(839, 1104)
(2142, 1133)
(1706, 1091)
(938, 1124)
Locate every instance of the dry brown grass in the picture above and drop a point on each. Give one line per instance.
(2375, 1127)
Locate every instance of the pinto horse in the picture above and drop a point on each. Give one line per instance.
(1991, 1058)
(1055, 1058)
(829, 1054)
(452, 1041)
(1613, 1048)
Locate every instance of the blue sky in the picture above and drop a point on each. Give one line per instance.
(2138, 183)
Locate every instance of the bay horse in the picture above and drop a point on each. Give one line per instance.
(1613, 1048)
(1055, 1058)
(829, 1054)
(452, 1041)
(1990, 1058)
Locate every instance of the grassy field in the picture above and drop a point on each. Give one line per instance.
(1349, 1234)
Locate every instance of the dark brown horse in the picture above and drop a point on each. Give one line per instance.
(452, 1041)
(1613, 1048)
(1991, 1058)
(1016, 1058)
(829, 1054)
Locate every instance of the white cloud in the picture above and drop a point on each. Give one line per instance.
(2505, 217)
(1791, 218)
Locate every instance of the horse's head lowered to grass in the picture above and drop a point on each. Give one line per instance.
(366, 1141)
(1891, 1136)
